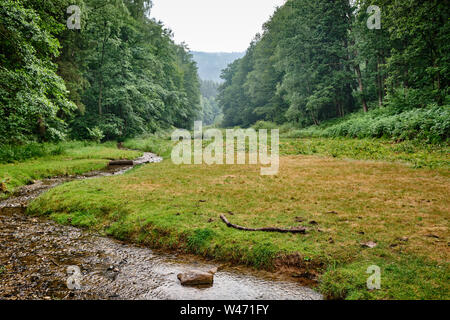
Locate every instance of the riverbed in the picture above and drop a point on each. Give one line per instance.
(35, 254)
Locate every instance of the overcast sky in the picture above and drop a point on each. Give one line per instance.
(214, 25)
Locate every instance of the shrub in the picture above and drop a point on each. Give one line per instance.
(96, 134)
(265, 125)
(431, 124)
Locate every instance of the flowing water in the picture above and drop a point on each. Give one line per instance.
(36, 252)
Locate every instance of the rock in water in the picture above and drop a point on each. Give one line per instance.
(213, 270)
(192, 278)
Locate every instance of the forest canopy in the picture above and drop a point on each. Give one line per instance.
(211, 112)
(119, 75)
(318, 60)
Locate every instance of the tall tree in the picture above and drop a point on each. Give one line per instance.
(33, 98)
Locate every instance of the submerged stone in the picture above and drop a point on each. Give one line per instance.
(195, 277)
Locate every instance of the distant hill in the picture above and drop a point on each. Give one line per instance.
(211, 64)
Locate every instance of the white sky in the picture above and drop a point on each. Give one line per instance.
(214, 25)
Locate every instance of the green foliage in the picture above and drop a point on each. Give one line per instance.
(210, 110)
(317, 60)
(139, 80)
(209, 89)
(122, 70)
(33, 98)
(33, 150)
(264, 125)
(79, 219)
(430, 124)
(96, 134)
(419, 35)
(297, 70)
(210, 107)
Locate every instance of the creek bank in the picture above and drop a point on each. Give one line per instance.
(36, 252)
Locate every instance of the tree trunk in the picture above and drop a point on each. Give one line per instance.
(380, 89)
(42, 128)
(100, 94)
(100, 98)
(361, 88)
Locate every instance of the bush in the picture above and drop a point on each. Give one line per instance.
(403, 99)
(431, 124)
(111, 127)
(96, 134)
(265, 125)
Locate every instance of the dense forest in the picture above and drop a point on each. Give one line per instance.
(211, 112)
(318, 60)
(316, 65)
(117, 76)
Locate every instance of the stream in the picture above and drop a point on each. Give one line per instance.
(35, 253)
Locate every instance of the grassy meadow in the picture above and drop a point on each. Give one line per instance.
(47, 161)
(396, 197)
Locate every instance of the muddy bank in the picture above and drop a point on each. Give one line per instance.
(36, 252)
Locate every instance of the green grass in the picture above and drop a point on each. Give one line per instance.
(161, 145)
(32, 150)
(412, 153)
(403, 278)
(418, 155)
(74, 158)
(178, 207)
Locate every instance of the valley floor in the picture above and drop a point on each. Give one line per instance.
(400, 203)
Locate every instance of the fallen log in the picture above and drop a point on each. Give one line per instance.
(121, 163)
(269, 229)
